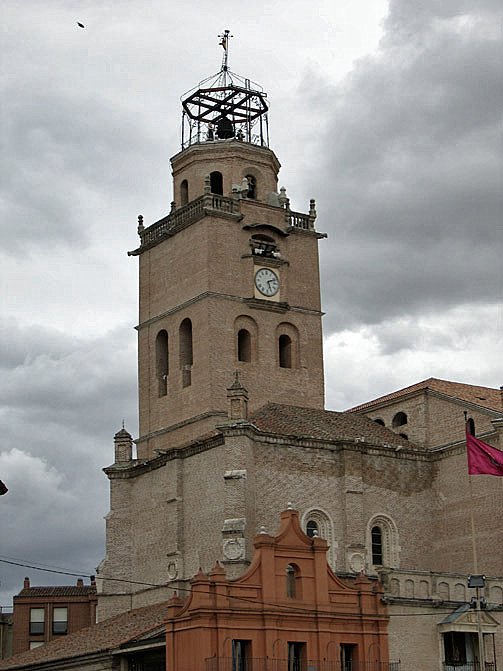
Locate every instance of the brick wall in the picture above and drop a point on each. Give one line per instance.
(81, 612)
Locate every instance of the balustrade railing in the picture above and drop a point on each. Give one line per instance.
(194, 210)
(187, 215)
(299, 220)
(267, 664)
(468, 666)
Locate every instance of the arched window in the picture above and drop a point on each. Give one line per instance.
(293, 582)
(317, 521)
(184, 192)
(246, 339)
(217, 183)
(379, 421)
(287, 343)
(377, 551)
(399, 420)
(285, 351)
(244, 345)
(162, 362)
(252, 186)
(382, 542)
(186, 356)
(471, 427)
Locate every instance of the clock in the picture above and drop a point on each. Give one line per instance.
(267, 282)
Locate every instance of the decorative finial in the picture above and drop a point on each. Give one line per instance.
(141, 227)
(315, 533)
(263, 530)
(282, 196)
(289, 505)
(173, 207)
(122, 423)
(237, 382)
(224, 43)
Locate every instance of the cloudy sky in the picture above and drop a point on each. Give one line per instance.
(394, 124)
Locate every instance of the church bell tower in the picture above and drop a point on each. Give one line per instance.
(229, 279)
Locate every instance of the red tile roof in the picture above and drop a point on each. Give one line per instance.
(487, 397)
(64, 590)
(326, 425)
(102, 637)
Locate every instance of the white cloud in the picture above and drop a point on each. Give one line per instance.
(400, 156)
(463, 345)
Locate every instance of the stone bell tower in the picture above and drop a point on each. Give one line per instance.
(229, 279)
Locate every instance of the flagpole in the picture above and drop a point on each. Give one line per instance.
(482, 652)
(472, 519)
(472, 523)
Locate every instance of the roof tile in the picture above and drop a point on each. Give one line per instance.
(486, 397)
(102, 637)
(60, 590)
(326, 425)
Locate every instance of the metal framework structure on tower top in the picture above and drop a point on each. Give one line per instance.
(225, 106)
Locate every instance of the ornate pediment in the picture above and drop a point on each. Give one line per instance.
(466, 619)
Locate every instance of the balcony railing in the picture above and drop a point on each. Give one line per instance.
(267, 664)
(468, 666)
(187, 215)
(299, 220)
(196, 209)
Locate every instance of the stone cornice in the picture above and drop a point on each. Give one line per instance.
(138, 467)
(252, 302)
(337, 445)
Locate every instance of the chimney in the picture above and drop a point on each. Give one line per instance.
(26, 584)
(80, 582)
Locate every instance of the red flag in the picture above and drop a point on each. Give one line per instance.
(483, 459)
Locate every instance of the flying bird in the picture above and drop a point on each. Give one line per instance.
(80, 25)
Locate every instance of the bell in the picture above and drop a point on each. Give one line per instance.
(225, 129)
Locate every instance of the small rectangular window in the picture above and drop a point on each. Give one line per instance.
(60, 620)
(37, 620)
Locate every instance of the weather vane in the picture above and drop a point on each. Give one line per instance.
(224, 43)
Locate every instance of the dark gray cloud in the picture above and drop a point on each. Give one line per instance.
(65, 152)
(61, 400)
(405, 173)
(413, 168)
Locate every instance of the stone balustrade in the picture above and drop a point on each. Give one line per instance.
(184, 216)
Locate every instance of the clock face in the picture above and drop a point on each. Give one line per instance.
(267, 282)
